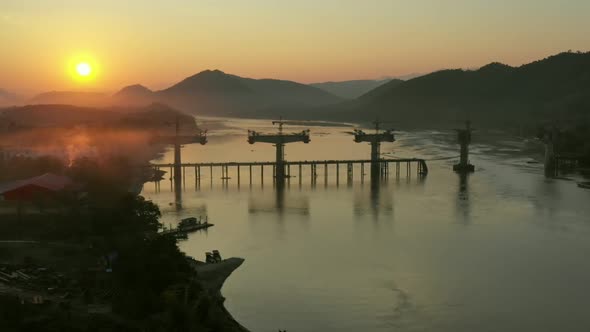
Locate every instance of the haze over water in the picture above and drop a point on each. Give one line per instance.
(504, 249)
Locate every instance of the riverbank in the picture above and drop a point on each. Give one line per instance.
(212, 277)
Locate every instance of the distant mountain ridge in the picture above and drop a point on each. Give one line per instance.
(352, 89)
(210, 92)
(56, 115)
(552, 88)
(8, 98)
(77, 98)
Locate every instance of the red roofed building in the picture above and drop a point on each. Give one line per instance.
(29, 189)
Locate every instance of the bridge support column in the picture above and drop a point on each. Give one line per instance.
(375, 157)
(349, 173)
(280, 163)
(177, 171)
(362, 172)
(464, 138)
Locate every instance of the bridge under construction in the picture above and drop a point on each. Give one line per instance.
(284, 171)
(341, 169)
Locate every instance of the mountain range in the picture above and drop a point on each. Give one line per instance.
(556, 88)
(553, 89)
(352, 89)
(8, 98)
(211, 92)
(68, 116)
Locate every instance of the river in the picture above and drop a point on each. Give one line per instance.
(504, 249)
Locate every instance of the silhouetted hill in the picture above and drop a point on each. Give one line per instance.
(8, 98)
(208, 81)
(556, 88)
(154, 116)
(78, 98)
(352, 89)
(218, 93)
(134, 95)
(213, 92)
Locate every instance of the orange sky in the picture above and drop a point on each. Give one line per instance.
(157, 43)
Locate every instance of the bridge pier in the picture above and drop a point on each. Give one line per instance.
(349, 173)
(274, 173)
(464, 139)
(362, 172)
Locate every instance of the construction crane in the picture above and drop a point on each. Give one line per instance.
(178, 141)
(279, 140)
(375, 141)
(464, 139)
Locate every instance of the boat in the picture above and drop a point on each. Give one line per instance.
(181, 235)
(585, 185)
(186, 226)
(193, 224)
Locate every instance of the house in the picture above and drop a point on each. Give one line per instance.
(40, 186)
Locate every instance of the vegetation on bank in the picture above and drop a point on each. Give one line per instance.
(572, 140)
(106, 246)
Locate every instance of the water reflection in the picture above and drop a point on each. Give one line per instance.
(178, 197)
(282, 202)
(463, 202)
(445, 275)
(379, 200)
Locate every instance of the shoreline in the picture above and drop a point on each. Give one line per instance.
(212, 277)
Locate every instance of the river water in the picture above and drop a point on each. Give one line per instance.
(504, 249)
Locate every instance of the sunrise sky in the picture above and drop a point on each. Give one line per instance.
(157, 43)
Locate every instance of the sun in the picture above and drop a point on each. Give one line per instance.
(83, 69)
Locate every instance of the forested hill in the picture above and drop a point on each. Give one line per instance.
(553, 89)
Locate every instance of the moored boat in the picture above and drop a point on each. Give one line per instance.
(187, 225)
